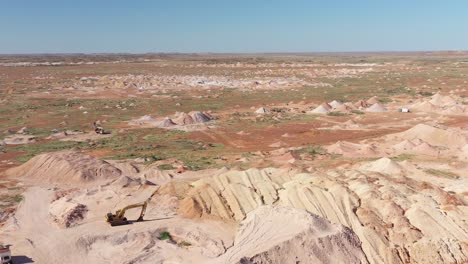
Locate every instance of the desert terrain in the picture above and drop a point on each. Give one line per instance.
(253, 158)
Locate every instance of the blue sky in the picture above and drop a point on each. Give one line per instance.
(90, 26)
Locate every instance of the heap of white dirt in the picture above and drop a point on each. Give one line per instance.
(66, 168)
(146, 119)
(262, 111)
(19, 139)
(383, 165)
(194, 117)
(167, 122)
(349, 149)
(435, 136)
(281, 234)
(200, 117)
(194, 120)
(373, 100)
(335, 103)
(376, 108)
(441, 104)
(322, 109)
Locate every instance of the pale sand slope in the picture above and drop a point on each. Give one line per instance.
(287, 235)
(422, 139)
(66, 167)
(398, 216)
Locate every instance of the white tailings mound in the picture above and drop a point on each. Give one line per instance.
(335, 103)
(19, 139)
(376, 108)
(320, 110)
(434, 136)
(349, 149)
(283, 234)
(373, 100)
(200, 117)
(442, 100)
(66, 167)
(383, 165)
(262, 110)
(184, 119)
(167, 122)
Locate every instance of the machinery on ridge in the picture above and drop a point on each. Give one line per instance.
(119, 217)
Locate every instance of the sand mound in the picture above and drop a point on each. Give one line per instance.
(184, 119)
(167, 122)
(284, 234)
(373, 100)
(342, 108)
(146, 118)
(322, 109)
(66, 213)
(441, 100)
(425, 149)
(383, 165)
(191, 118)
(66, 167)
(19, 139)
(335, 103)
(425, 107)
(361, 104)
(434, 136)
(200, 117)
(348, 149)
(143, 120)
(405, 145)
(376, 108)
(455, 110)
(262, 110)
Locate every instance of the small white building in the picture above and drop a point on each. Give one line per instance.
(404, 110)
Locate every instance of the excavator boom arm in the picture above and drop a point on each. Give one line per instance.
(120, 213)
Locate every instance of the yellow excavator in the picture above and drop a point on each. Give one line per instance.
(119, 217)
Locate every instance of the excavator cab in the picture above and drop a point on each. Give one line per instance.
(113, 220)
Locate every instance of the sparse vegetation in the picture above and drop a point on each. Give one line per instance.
(357, 112)
(442, 173)
(337, 114)
(311, 150)
(184, 244)
(403, 157)
(10, 200)
(165, 236)
(385, 100)
(166, 167)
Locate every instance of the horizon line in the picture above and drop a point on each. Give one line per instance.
(232, 53)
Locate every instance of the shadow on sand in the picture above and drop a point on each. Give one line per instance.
(21, 259)
(149, 220)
